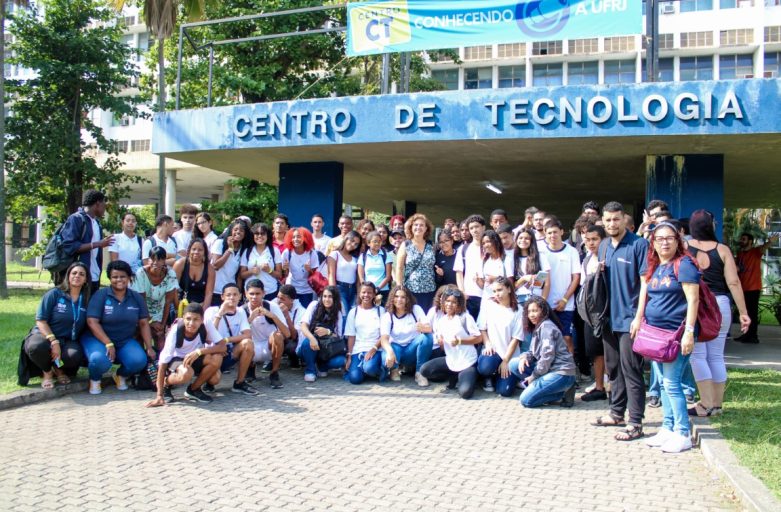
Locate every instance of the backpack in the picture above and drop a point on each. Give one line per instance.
(55, 259)
(708, 312)
(593, 301)
(266, 305)
(152, 241)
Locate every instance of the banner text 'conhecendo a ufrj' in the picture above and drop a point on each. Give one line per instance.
(414, 25)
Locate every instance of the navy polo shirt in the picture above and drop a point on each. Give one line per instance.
(57, 310)
(118, 319)
(667, 306)
(624, 265)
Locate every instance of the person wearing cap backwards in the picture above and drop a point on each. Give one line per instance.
(396, 238)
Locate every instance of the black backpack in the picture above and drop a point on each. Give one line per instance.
(55, 259)
(593, 300)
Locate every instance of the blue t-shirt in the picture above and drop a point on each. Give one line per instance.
(374, 266)
(666, 307)
(118, 319)
(66, 318)
(624, 264)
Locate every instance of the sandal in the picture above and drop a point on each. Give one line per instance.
(47, 383)
(630, 433)
(63, 379)
(696, 411)
(608, 420)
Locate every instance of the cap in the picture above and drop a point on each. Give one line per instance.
(397, 232)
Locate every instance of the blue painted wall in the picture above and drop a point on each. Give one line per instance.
(312, 187)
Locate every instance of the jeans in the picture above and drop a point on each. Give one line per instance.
(624, 368)
(548, 388)
(312, 365)
(488, 366)
(305, 298)
(687, 382)
(360, 367)
(416, 352)
(464, 381)
(676, 417)
(347, 292)
(707, 360)
(129, 353)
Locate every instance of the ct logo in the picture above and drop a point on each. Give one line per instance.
(542, 18)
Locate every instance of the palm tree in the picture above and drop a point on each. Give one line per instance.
(160, 18)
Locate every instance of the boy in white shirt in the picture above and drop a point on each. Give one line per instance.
(293, 313)
(164, 226)
(469, 264)
(187, 213)
(564, 275)
(320, 238)
(268, 329)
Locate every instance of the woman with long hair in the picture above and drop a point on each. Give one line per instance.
(300, 261)
(501, 325)
(204, 229)
(405, 335)
(494, 264)
(196, 274)
(322, 318)
(720, 273)
(226, 255)
(343, 268)
(263, 261)
(528, 264)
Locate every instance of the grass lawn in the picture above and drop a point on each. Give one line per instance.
(19, 272)
(17, 316)
(751, 423)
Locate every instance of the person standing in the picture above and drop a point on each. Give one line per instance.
(320, 238)
(564, 263)
(187, 213)
(749, 261)
(469, 263)
(127, 244)
(164, 226)
(625, 258)
(82, 237)
(280, 226)
(416, 259)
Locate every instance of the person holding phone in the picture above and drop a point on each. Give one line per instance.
(531, 271)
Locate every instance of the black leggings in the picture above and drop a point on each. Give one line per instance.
(39, 350)
(464, 381)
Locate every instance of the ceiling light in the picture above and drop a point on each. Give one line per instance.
(494, 189)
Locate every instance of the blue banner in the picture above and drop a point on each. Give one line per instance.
(414, 25)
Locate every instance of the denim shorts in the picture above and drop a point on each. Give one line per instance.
(565, 318)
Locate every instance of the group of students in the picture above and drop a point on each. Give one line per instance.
(491, 304)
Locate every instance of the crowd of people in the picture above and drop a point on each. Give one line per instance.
(473, 304)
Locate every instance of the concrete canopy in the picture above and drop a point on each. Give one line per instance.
(550, 161)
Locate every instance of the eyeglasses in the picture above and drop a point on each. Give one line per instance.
(260, 233)
(662, 239)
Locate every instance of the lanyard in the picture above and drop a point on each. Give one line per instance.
(76, 310)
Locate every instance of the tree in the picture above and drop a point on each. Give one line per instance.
(256, 200)
(81, 65)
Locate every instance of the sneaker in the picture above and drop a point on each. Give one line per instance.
(420, 380)
(208, 388)
(751, 341)
(677, 443)
(520, 385)
(121, 382)
(244, 387)
(94, 387)
(654, 402)
(321, 375)
(660, 438)
(593, 395)
(267, 367)
(310, 377)
(488, 386)
(275, 381)
(250, 377)
(689, 398)
(569, 397)
(395, 375)
(198, 395)
(168, 395)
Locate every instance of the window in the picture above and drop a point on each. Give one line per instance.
(122, 146)
(620, 44)
(620, 71)
(773, 34)
(547, 74)
(665, 71)
(505, 51)
(478, 78)
(772, 3)
(579, 73)
(477, 52)
(440, 55)
(736, 66)
(129, 40)
(736, 37)
(772, 64)
(696, 5)
(583, 46)
(139, 145)
(546, 48)
(447, 77)
(666, 42)
(731, 4)
(696, 68)
(129, 21)
(696, 39)
(512, 76)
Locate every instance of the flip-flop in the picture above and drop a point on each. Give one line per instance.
(47, 383)
(63, 379)
(613, 422)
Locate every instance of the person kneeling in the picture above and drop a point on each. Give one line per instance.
(548, 368)
(184, 356)
(363, 336)
(268, 328)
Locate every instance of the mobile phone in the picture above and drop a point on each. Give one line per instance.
(58, 362)
(540, 278)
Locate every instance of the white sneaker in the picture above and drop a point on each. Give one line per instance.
(395, 375)
(660, 438)
(121, 382)
(677, 443)
(488, 386)
(420, 380)
(322, 375)
(309, 377)
(94, 387)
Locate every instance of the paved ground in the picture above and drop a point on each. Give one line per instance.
(333, 446)
(765, 354)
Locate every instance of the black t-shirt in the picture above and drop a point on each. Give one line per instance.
(446, 264)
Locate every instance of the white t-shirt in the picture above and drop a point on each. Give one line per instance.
(526, 289)
(321, 244)
(128, 249)
(297, 277)
(474, 265)
(432, 317)
(169, 246)
(210, 240)
(263, 327)
(253, 259)
(170, 351)
(346, 271)
(502, 324)
(227, 273)
(310, 313)
(183, 239)
(93, 254)
(230, 325)
(463, 326)
(404, 329)
(563, 263)
(364, 324)
(591, 268)
(495, 267)
(296, 315)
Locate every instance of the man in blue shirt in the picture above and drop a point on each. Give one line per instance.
(82, 236)
(624, 255)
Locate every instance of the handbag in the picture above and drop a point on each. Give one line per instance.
(657, 344)
(331, 346)
(317, 282)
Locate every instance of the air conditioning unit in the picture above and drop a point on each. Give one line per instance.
(668, 8)
(770, 74)
(750, 75)
(125, 121)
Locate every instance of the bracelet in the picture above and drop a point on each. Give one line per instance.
(689, 329)
(54, 342)
(224, 339)
(109, 345)
(50, 336)
(199, 352)
(458, 341)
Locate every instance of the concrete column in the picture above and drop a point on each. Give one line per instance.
(311, 187)
(405, 208)
(687, 183)
(170, 192)
(41, 214)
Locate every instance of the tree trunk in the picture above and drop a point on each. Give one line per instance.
(161, 108)
(3, 273)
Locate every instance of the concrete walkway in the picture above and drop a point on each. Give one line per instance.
(765, 354)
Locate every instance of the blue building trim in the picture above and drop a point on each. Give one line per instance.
(309, 188)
